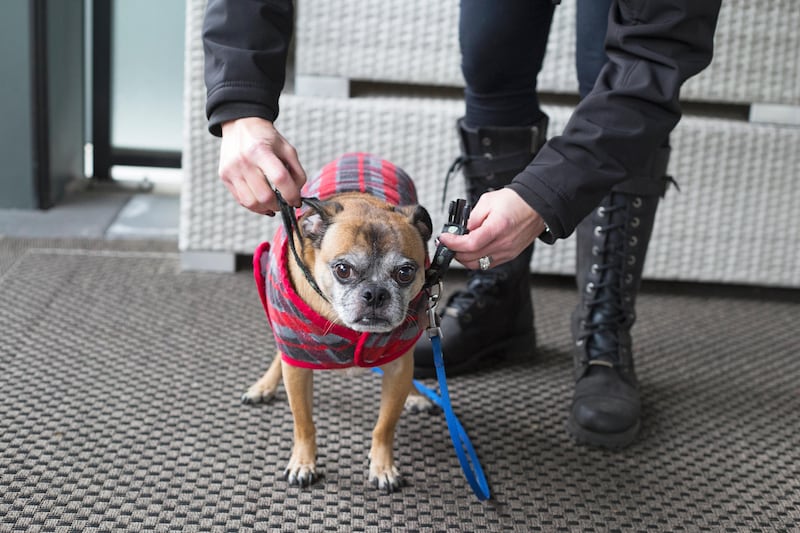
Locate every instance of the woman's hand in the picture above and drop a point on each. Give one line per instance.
(254, 156)
(501, 226)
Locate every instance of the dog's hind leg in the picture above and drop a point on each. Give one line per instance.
(264, 389)
(397, 384)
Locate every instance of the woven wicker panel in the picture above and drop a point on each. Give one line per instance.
(755, 55)
(407, 42)
(736, 217)
(120, 412)
(417, 42)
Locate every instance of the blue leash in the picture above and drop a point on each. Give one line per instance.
(470, 464)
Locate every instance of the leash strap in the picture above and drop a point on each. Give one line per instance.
(291, 228)
(467, 456)
(470, 464)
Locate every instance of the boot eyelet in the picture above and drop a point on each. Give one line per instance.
(579, 342)
(595, 250)
(486, 141)
(590, 287)
(595, 268)
(601, 211)
(634, 240)
(631, 260)
(598, 231)
(637, 202)
(628, 279)
(635, 221)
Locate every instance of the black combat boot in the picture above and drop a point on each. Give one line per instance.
(612, 243)
(493, 316)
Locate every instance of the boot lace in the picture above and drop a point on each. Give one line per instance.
(458, 164)
(606, 310)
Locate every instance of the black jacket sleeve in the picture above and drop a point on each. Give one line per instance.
(246, 43)
(653, 48)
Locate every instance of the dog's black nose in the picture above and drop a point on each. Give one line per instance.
(375, 296)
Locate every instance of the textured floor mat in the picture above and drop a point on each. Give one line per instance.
(119, 409)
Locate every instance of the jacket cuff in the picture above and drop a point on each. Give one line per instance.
(234, 110)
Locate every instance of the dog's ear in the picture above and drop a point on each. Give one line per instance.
(315, 222)
(419, 218)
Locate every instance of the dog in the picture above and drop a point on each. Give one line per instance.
(350, 296)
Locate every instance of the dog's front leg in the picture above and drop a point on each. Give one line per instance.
(397, 383)
(299, 389)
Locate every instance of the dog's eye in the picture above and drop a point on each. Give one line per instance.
(343, 271)
(405, 274)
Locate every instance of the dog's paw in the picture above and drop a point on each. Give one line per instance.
(300, 474)
(385, 478)
(417, 403)
(256, 394)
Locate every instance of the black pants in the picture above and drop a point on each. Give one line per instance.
(503, 44)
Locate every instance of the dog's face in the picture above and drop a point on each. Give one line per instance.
(368, 257)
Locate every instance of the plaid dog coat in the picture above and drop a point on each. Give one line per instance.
(305, 338)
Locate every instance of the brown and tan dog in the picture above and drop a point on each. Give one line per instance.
(367, 258)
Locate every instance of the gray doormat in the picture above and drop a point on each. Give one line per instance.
(119, 410)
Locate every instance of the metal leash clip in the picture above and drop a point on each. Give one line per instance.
(433, 318)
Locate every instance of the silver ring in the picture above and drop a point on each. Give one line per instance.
(485, 262)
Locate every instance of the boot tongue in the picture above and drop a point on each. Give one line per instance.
(480, 286)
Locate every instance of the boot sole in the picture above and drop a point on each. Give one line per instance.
(609, 441)
(515, 347)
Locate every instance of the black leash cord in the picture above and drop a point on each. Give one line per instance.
(291, 228)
